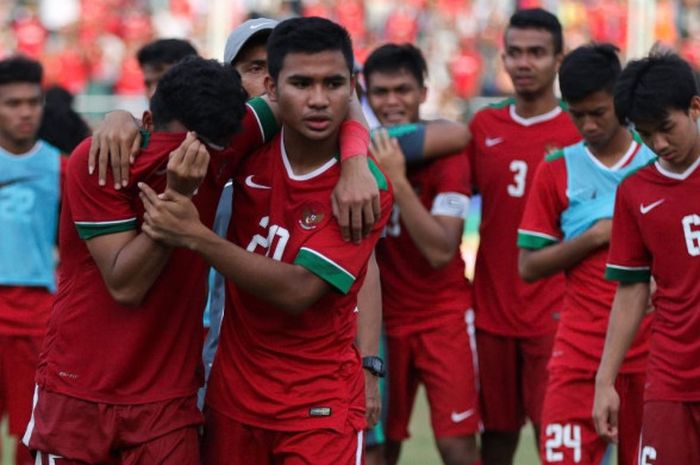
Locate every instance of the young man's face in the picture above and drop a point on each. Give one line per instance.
(594, 117)
(395, 97)
(151, 76)
(530, 60)
(251, 64)
(21, 108)
(313, 91)
(675, 139)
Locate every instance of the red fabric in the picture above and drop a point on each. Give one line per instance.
(228, 442)
(568, 435)
(19, 356)
(504, 155)
(83, 432)
(144, 354)
(670, 433)
(512, 378)
(588, 297)
(659, 240)
(417, 297)
(442, 360)
(273, 369)
(24, 310)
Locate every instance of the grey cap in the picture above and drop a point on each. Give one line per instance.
(237, 39)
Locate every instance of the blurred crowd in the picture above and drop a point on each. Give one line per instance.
(89, 46)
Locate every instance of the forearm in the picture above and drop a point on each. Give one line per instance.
(540, 263)
(443, 137)
(369, 303)
(434, 241)
(628, 310)
(290, 287)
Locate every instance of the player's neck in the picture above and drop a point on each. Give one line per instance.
(617, 147)
(304, 154)
(682, 166)
(527, 106)
(16, 147)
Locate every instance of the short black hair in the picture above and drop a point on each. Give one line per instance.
(20, 69)
(204, 95)
(306, 35)
(648, 88)
(61, 126)
(537, 18)
(390, 58)
(588, 69)
(164, 52)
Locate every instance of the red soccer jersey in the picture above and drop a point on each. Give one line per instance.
(415, 296)
(505, 151)
(588, 297)
(656, 232)
(98, 350)
(278, 371)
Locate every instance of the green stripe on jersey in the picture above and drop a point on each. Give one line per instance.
(88, 230)
(557, 154)
(325, 269)
(532, 240)
(632, 172)
(502, 103)
(382, 183)
(627, 274)
(266, 118)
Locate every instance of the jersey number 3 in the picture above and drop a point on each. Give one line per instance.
(519, 170)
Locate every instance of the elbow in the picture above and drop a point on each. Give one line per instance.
(440, 258)
(127, 297)
(526, 271)
(297, 300)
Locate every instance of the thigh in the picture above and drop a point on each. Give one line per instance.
(445, 364)
(630, 387)
(20, 361)
(179, 447)
(670, 433)
(319, 447)
(534, 355)
(228, 442)
(499, 382)
(402, 386)
(568, 435)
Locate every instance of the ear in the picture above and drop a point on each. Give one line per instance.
(423, 94)
(353, 87)
(271, 88)
(695, 108)
(147, 121)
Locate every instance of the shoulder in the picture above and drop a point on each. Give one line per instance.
(638, 175)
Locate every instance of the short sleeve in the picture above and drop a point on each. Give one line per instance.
(337, 261)
(452, 176)
(628, 260)
(540, 224)
(97, 210)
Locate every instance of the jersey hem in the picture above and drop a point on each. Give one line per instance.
(266, 119)
(534, 240)
(627, 274)
(136, 400)
(88, 230)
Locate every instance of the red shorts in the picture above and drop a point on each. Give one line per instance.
(76, 431)
(670, 433)
(19, 356)
(513, 377)
(228, 442)
(443, 360)
(568, 436)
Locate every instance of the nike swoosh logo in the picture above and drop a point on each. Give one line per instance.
(256, 26)
(644, 209)
(491, 141)
(10, 182)
(250, 183)
(458, 417)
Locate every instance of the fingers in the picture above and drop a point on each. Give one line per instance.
(135, 147)
(92, 154)
(368, 219)
(102, 160)
(148, 194)
(114, 148)
(123, 170)
(356, 223)
(344, 221)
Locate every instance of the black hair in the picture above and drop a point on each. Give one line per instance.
(306, 35)
(537, 18)
(61, 126)
(20, 69)
(164, 52)
(588, 69)
(391, 58)
(648, 88)
(257, 39)
(204, 95)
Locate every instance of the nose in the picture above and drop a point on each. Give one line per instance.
(392, 98)
(589, 124)
(658, 142)
(318, 97)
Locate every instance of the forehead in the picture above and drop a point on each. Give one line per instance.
(397, 78)
(20, 90)
(672, 115)
(529, 38)
(597, 99)
(253, 52)
(315, 65)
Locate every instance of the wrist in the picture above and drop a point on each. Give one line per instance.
(604, 380)
(374, 365)
(354, 140)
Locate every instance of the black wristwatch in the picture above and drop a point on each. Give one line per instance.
(374, 365)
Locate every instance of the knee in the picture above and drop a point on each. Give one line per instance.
(460, 450)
